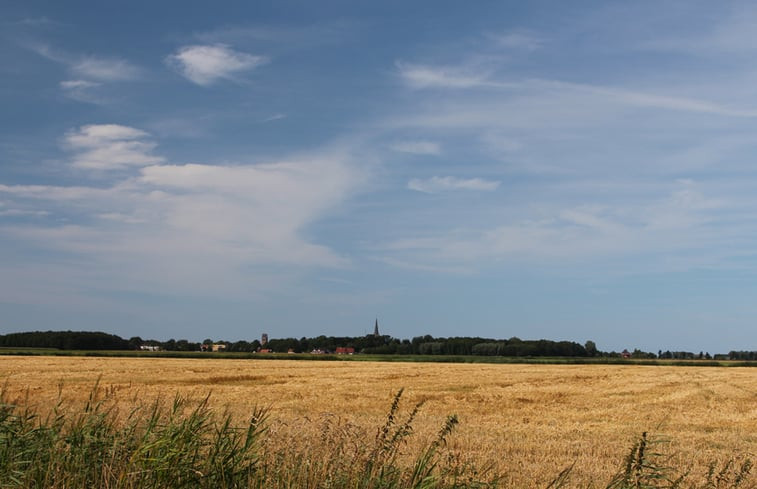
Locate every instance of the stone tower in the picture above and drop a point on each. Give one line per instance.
(375, 329)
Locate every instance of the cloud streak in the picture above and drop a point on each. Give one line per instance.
(419, 147)
(419, 76)
(425, 76)
(105, 69)
(685, 224)
(438, 184)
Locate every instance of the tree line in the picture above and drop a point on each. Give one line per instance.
(369, 344)
(65, 340)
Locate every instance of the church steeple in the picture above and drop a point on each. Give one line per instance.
(375, 329)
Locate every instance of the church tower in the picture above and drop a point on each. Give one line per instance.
(375, 329)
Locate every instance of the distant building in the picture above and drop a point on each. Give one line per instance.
(264, 339)
(375, 329)
(344, 350)
(149, 348)
(625, 354)
(219, 347)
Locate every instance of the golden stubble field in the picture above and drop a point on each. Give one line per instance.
(528, 421)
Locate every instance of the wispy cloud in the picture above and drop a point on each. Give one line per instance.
(426, 76)
(110, 146)
(175, 226)
(36, 22)
(471, 79)
(81, 90)
(105, 69)
(89, 75)
(683, 223)
(521, 40)
(22, 213)
(733, 32)
(441, 184)
(77, 84)
(207, 64)
(419, 147)
(275, 117)
(282, 36)
(99, 68)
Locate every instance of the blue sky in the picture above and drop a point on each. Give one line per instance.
(561, 170)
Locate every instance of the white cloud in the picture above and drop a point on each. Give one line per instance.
(206, 64)
(441, 184)
(105, 69)
(110, 146)
(420, 147)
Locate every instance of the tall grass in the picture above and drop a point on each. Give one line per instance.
(149, 447)
(185, 444)
(647, 465)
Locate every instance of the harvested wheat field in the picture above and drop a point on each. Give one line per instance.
(527, 421)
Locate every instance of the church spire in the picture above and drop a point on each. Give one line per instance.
(375, 329)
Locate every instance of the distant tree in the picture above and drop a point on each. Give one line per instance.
(135, 342)
(591, 348)
(642, 354)
(184, 345)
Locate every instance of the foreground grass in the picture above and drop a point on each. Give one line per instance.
(182, 444)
